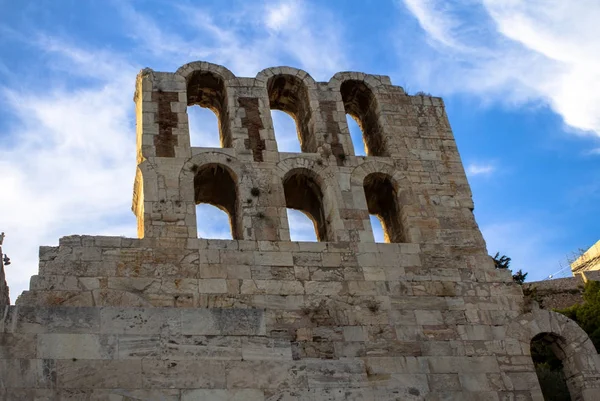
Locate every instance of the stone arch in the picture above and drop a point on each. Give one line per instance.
(304, 170)
(206, 86)
(187, 69)
(401, 183)
(574, 347)
(374, 82)
(386, 192)
(214, 178)
(289, 90)
(359, 93)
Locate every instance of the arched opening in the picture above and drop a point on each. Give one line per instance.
(285, 129)
(207, 90)
(289, 94)
(357, 136)
(548, 355)
(212, 222)
(377, 226)
(302, 227)
(360, 103)
(382, 201)
(204, 127)
(303, 193)
(215, 185)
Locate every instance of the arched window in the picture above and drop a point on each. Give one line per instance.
(302, 227)
(215, 185)
(212, 222)
(285, 128)
(382, 202)
(303, 193)
(289, 94)
(207, 90)
(548, 356)
(361, 105)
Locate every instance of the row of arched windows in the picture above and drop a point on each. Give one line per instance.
(305, 199)
(290, 107)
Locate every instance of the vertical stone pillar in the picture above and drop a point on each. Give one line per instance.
(163, 143)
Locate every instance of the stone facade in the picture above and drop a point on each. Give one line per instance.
(170, 316)
(588, 261)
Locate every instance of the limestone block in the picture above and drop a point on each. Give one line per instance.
(183, 374)
(18, 346)
(50, 320)
(266, 349)
(223, 395)
(188, 347)
(139, 346)
(89, 373)
(223, 322)
(79, 346)
(266, 375)
(139, 320)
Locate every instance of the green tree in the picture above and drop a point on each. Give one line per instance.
(587, 314)
(503, 262)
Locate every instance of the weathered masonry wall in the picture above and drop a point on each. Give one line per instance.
(170, 316)
(560, 293)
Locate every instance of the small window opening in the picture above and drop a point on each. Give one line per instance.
(360, 103)
(289, 94)
(302, 227)
(285, 132)
(207, 90)
(212, 222)
(378, 231)
(215, 185)
(547, 357)
(204, 127)
(357, 136)
(304, 194)
(382, 201)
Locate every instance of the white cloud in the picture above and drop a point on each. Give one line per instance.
(474, 169)
(542, 51)
(68, 157)
(65, 160)
(289, 32)
(279, 15)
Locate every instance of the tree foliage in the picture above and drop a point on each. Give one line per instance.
(587, 314)
(503, 262)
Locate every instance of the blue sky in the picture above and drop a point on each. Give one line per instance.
(520, 79)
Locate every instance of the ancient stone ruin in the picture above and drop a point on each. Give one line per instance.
(170, 316)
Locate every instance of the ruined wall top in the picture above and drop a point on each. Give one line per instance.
(411, 178)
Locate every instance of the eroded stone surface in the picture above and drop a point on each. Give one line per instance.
(171, 317)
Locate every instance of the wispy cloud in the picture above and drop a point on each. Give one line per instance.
(70, 147)
(64, 159)
(474, 169)
(291, 32)
(517, 52)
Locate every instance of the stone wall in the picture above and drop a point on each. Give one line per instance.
(560, 293)
(171, 316)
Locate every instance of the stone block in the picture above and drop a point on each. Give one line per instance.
(78, 346)
(223, 322)
(183, 374)
(88, 373)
